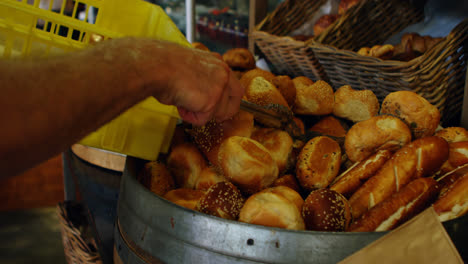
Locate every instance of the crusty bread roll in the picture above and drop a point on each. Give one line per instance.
(412, 199)
(249, 75)
(288, 193)
(157, 177)
(209, 137)
(458, 156)
(200, 46)
(419, 158)
(313, 98)
(288, 180)
(454, 202)
(421, 116)
(262, 92)
(350, 180)
(239, 59)
(329, 125)
(271, 209)
(185, 162)
(324, 22)
(286, 87)
(185, 197)
(384, 52)
(326, 210)
(453, 134)
(208, 176)
(378, 132)
(355, 105)
(222, 199)
(280, 145)
(318, 163)
(247, 164)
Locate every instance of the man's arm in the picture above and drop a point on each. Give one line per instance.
(49, 104)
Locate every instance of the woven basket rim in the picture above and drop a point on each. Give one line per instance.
(460, 29)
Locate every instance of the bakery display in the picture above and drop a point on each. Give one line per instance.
(363, 165)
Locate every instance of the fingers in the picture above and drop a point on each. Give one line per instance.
(229, 104)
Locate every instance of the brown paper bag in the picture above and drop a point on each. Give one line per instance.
(422, 239)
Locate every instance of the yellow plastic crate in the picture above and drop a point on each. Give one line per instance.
(30, 30)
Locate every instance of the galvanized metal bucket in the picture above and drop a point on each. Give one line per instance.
(151, 229)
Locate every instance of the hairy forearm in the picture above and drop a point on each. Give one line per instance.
(47, 105)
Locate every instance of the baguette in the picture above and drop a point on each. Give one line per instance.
(420, 158)
(397, 209)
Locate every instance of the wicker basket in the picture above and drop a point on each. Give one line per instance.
(79, 245)
(438, 75)
(350, 31)
(285, 54)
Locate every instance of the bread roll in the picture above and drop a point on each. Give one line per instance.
(453, 134)
(288, 180)
(454, 202)
(209, 137)
(324, 22)
(313, 98)
(355, 105)
(419, 158)
(208, 176)
(379, 132)
(239, 59)
(329, 125)
(262, 92)
(458, 156)
(185, 197)
(247, 164)
(159, 179)
(421, 116)
(222, 199)
(288, 193)
(185, 162)
(200, 46)
(252, 74)
(318, 163)
(326, 210)
(271, 209)
(397, 209)
(280, 145)
(349, 181)
(286, 87)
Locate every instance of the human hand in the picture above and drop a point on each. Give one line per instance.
(199, 83)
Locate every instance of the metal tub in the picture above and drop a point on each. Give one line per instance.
(151, 229)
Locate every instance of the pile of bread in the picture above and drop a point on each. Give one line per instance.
(373, 167)
(412, 45)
